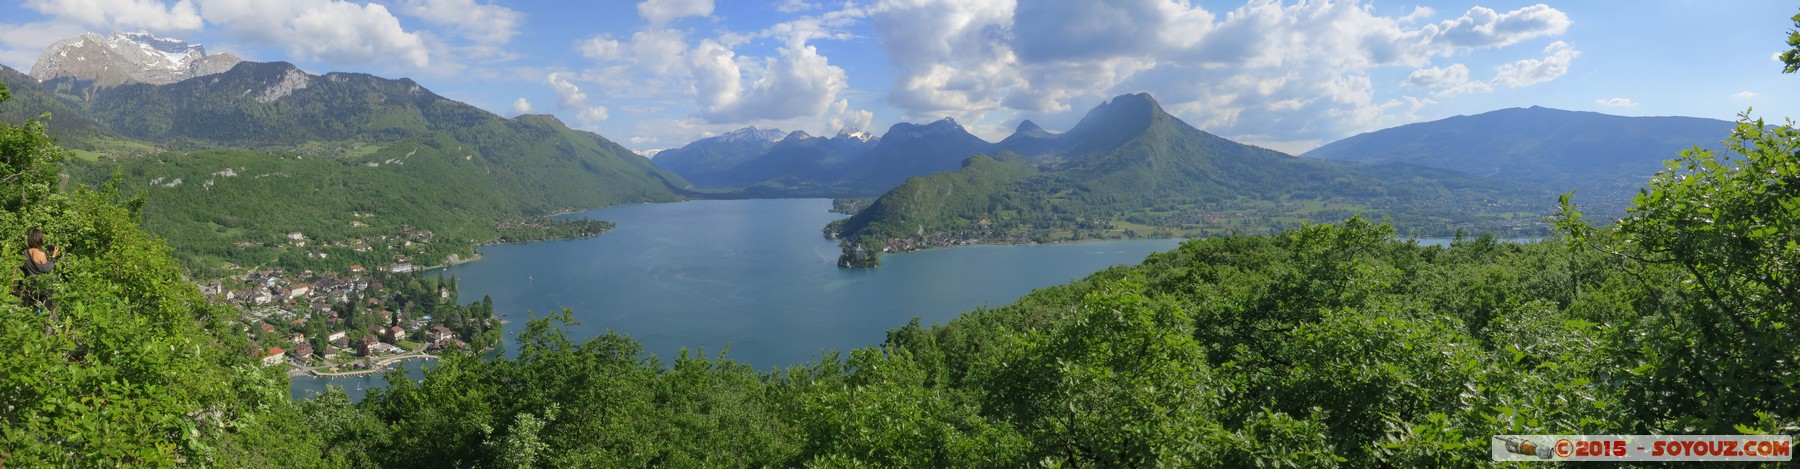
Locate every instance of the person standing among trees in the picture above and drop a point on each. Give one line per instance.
(38, 263)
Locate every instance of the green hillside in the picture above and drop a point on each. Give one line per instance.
(1130, 169)
(1326, 346)
(265, 150)
(132, 367)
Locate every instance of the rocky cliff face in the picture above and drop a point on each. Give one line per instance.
(128, 57)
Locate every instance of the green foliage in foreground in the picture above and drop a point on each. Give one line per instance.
(1322, 346)
(132, 368)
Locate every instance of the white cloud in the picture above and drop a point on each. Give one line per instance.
(649, 57)
(21, 44)
(1302, 68)
(1446, 81)
(593, 114)
(841, 116)
(521, 106)
(332, 30)
(1745, 94)
(949, 56)
(568, 95)
(1533, 71)
(483, 23)
(1616, 102)
(152, 15)
(794, 87)
(601, 48)
(658, 52)
(1482, 27)
(1439, 77)
(570, 98)
(798, 82)
(716, 75)
(796, 6)
(658, 12)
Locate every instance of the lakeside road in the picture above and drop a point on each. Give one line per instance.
(380, 366)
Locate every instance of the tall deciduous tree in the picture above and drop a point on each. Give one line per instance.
(1791, 58)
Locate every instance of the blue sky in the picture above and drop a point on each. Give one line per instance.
(1291, 76)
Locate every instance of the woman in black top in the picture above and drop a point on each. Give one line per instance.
(37, 264)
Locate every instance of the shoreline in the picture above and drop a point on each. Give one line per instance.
(381, 366)
(1525, 239)
(1034, 243)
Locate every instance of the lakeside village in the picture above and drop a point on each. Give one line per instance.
(331, 324)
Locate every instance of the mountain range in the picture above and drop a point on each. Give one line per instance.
(851, 163)
(1129, 168)
(233, 162)
(1603, 158)
(121, 58)
(408, 157)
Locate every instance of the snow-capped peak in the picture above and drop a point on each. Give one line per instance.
(852, 133)
(156, 52)
(751, 134)
(127, 57)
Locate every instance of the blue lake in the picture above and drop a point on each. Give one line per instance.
(754, 276)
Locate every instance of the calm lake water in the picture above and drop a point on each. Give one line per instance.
(751, 275)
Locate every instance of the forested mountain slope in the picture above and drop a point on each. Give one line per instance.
(265, 150)
(1604, 158)
(1131, 166)
(1329, 345)
(1325, 346)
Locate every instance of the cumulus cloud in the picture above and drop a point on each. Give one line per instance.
(658, 12)
(332, 30)
(798, 82)
(1533, 71)
(1303, 68)
(1483, 27)
(521, 106)
(20, 44)
(1446, 81)
(1070, 30)
(649, 60)
(483, 23)
(1616, 102)
(796, 6)
(948, 56)
(601, 48)
(570, 98)
(1439, 77)
(568, 95)
(1745, 94)
(793, 86)
(152, 15)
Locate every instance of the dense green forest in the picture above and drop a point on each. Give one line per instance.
(1319, 346)
(132, 367)
(368, 171)
(1322, 346)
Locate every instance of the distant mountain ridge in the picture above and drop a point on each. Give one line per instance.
(1603, 158)
(120, 58)
(852, 162)
(316, 149)
(1130, 168)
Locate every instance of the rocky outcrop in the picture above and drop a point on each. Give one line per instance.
(128, 58)
(293, 79)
